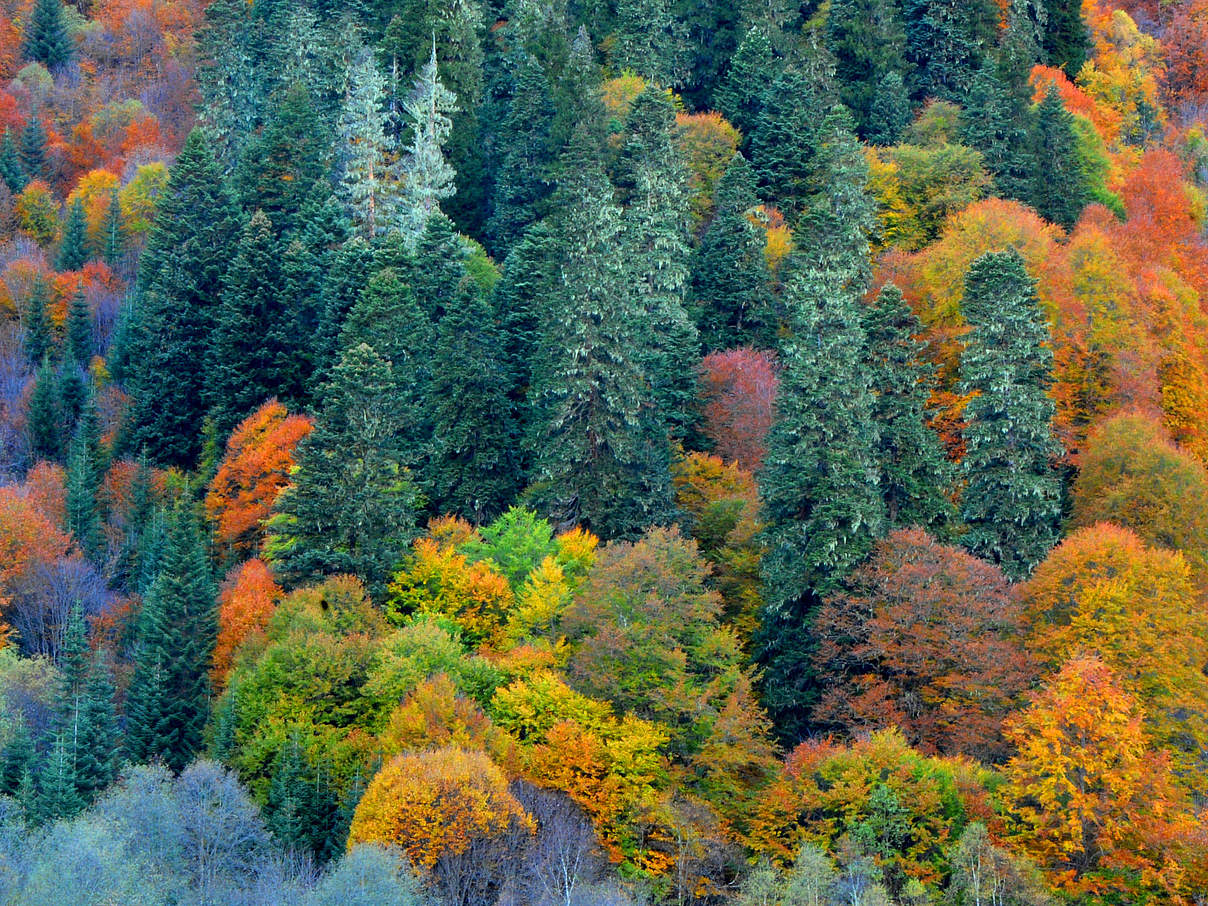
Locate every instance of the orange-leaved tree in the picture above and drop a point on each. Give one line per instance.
(245, 605)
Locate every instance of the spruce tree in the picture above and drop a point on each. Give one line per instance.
(343, 280)
(43, 417)
(889, 111)
(740, 96)
(785, 143)
(1012, 502)
(366, 145)
(58, 794)
(867, 41)
(11, 170)
(530, 274)
(179, 287)
(996, 123)
(33, 149)
(600, 452)
(657, 252)
(651, 39)
(79, 329)
(1066, 39)
(1059, 187)
(257, 348)
(947, 42)
(352, 504)
(168, 700)
(84, 718)
(819, 484)
(112, 243)
(427, 178)
(914, 475)
(96, 758)
(82, 486)
(473, 472)
(38, 341)
(73, 392)
(73, 249)
(46, 38)
(730, 290)
(16, 758)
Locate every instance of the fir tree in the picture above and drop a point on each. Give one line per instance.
(73, 249)
(286, 810)
(46, 38)
(72, 393)
(33, 149)
(785, 143)
(84, 718)
(600, 455)
(43, 418)
(82, 485)
(739, 97)
(179, 285)
(58, 793)
(889, 111)
(914, 475)
(530, 274)
(427, 177)
(79, 329)
(343, 281)
(168, 701)
(730, 281)
(96, 766)
(112, 242)
(1059, 189)
(947, 42)
(1066, 39)
(38, 341)
(996, 124)
(473, 472)
(11, 170)
(867, 40)
(1012, 503)
(657, 251)
(16, 759)
(366, 145)
(351, 507)
(651, 39)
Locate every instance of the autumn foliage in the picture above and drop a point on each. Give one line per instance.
(244, 606)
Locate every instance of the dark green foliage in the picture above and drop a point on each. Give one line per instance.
(1066, 40)
(440, 267)
(996, 124)
(302, 806)
(947, 42)
(58, 792)
(730, 290)
(73, 392)
(257, 347)
(84, 472)
(739, 97)
(650, 40)
(867, 41)
(16, 759)
(11, 170)
(600, 454)
(168, 700)
(530, 275)
(96, 759)
(785, 143)
(1059, 187)
(73, 249)
(46, 38)
(352, 505)
(914, 475)
(84, 719)
(112, 243)
(79, 329)
(33, 149)
(342, 284)
(889, 111)
(179, 285)
(38, 341)
(1012, 503)
(42, 420)
(656, 248)
(473, 472)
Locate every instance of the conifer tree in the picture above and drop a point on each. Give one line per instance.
(530, 274)
(366, 146)
(914, 475)
(947, 42)
(1012, 503)
(83, 516)
(740, 95)
(1066, 39)
(16, 759)
(73, 249)
(168, 700)
(11, 170)
(84, 718)
(72, 394)
(343, 281)
(819, 484)
(38, 341)
(785, 143)
(58, 793)
(651, 39)
(473, 472)
(657, 252)
(42, 420)
(867, 40)
(179, 285)
(96, 766)
(600, 455)
(1059, 189)
(427, 177)
(286, 809)
(46, 38)
(351, 506)
(33, 149)
(730, 289)
(113, 233)
(79, 329)
(257, 348)
(996, 123)
(889, 111)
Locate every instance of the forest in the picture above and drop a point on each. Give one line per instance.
(604, 452)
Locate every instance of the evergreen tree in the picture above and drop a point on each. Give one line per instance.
(72, 393)
(867, 40)
(16, 759)
(42, 420)
(113, 233)
(888, 112)
(819, 485)
(1059, 189)
(11, 170)
(657, 252)
(84, 718)
(46, 38)
(33, 149)
(473, 472)
(740, 95)
(179, 284)
(73, 249)
(344, 280)
(600, 454)
(1012, 503)
(530, 275)
(58, 793)
(168, 700)
(257, 345)
(730, 281)
(785, 143)
(286, 811)
(914, 475)
(996, 124)
(82, 485)
(366, 145)
(1066, 39)
(38, 341)
(96, 758)
(427, 177)
(351, 506)
(947, 42)
(651, 40)
(79, 329)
